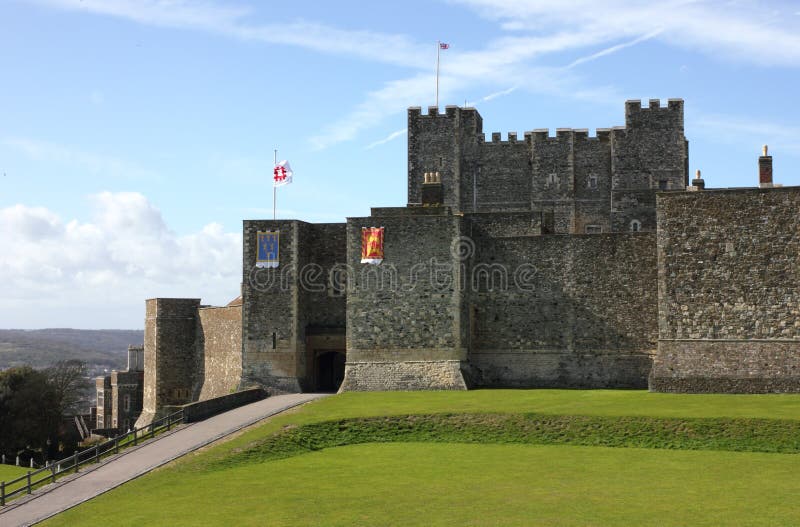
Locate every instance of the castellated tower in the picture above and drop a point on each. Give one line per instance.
(567, 184)
(170, 355)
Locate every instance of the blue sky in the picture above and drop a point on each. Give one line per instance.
(135, 135)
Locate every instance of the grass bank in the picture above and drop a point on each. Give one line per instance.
(448, 475)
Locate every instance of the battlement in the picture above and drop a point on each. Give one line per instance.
(636, 115)
(433, 111)
(577, 134)
(496, 138)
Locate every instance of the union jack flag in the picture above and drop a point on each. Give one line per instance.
(444, 45)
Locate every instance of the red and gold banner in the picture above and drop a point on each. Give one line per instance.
(371, 245)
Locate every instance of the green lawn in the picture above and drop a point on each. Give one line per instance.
(9, 472)
(457, 484)
(474, 484)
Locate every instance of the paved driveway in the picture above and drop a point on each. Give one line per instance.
(69, 492)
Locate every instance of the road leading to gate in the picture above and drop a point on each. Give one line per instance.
(132, 464)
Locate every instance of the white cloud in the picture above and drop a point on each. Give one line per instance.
(392, 99)
(492, 96)
(613, 49)
(122, 255)
(743, 32)
(233, 21)
(738, 31)
(392, 136)
(750, 132)
(93, 162)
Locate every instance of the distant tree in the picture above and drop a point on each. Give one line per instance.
(68, 380)
(29, 414)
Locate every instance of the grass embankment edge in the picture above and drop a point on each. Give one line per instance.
(740, 435)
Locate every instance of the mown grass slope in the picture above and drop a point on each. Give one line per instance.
(486, 465)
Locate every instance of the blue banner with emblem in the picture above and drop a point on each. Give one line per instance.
(267, 255)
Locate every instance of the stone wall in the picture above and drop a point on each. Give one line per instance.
(406, 375)
(409, 309)
(438, 143)
(729, 305)
(170, 355)
(271, 345)
(200, 410)
(563, 311)
(279, 305)
(572, 183)
(127, 388)
(219, 338)
(502, 179)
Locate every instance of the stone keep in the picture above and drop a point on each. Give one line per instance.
(548, 261)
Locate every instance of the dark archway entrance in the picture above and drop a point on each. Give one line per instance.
(329, 370)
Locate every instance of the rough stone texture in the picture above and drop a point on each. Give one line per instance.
(279, 305)
(729, 305)
(409, 308)
(570, 183)
(219, 339)
(566, 311)
(526, 274)
(403, 376)
(720, 366)
(170, 354)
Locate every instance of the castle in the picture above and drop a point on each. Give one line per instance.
(565, 261)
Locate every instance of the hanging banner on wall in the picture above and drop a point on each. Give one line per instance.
(371, 245)
(267, 255)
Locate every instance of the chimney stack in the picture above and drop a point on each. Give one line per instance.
(698, 182)
(765, 169)
(432, 193)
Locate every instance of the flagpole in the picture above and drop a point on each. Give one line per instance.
(274, 188)
(438, 50)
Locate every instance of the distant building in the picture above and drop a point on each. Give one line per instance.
(119, 395)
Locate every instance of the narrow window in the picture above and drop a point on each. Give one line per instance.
(636, 225)
(662, 184)
(593, 182)
(127, 403)
(274, 340)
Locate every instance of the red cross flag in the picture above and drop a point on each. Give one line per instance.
(282, 174)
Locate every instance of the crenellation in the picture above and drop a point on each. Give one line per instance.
(582, 134)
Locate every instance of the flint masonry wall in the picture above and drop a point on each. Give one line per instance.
(279, 305)
(444, 143)
(729, 304)
(563, 311)
(271, 345)
(569, 182)
(648, 154)
(406, 326)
